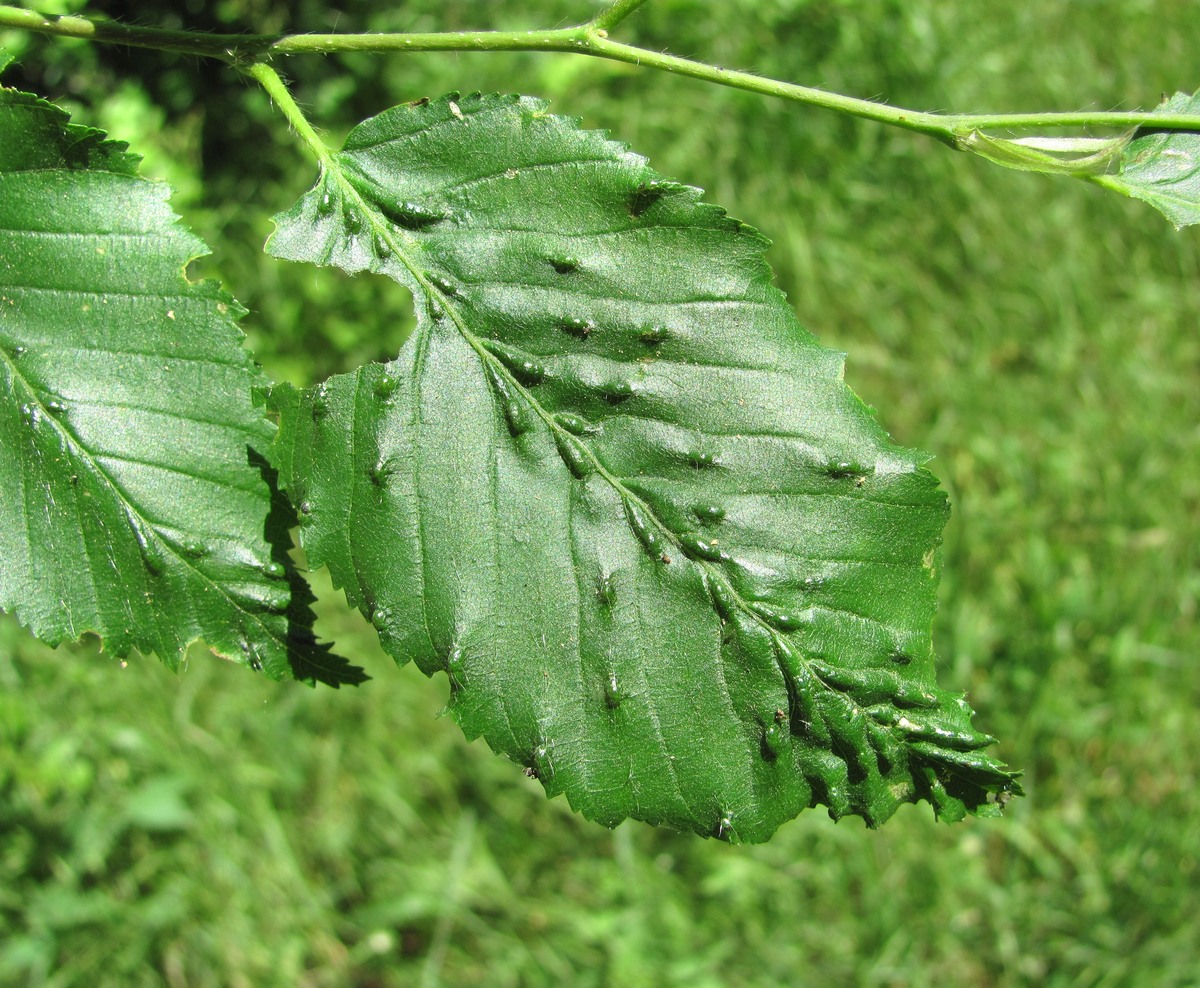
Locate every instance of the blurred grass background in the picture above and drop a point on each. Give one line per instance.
(1040, 337)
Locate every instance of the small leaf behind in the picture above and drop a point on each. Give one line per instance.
(133, 501)
(1162, 167)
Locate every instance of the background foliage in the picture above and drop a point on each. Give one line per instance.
(1038, 336)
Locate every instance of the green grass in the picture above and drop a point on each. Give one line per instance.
(1039, 337)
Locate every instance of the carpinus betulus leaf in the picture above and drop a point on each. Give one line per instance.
(611, 488)
(135, 500)
(1162, 167)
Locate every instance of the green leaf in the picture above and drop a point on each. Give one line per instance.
(133, 501)
(1162, 167)
(667, 560)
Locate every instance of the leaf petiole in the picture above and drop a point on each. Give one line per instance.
(612, 15)
(278, 91)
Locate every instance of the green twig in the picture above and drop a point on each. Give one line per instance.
(915, 120)
(573, 39)
(228, 47)
(590, 38)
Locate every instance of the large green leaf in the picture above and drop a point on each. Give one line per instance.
(133, 503)
(666, 558)
(1162, 167)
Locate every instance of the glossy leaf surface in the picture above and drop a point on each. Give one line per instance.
(1162, 167)
(610, 487)
(135, 503)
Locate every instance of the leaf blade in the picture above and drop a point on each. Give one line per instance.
(135, 504)
(665, 557)
(1162, 167)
